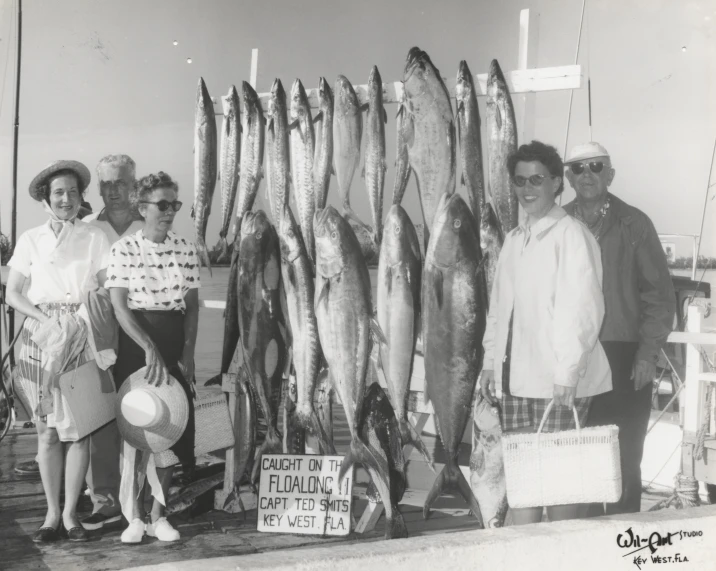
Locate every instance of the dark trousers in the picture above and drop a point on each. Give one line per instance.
(629, 410)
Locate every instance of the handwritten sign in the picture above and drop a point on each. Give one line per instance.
(300, 494)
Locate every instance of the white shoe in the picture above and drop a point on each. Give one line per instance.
(135, 532)
(162, 530)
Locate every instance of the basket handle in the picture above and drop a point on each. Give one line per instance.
(549, 409)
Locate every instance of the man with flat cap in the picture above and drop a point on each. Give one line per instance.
(640, 307)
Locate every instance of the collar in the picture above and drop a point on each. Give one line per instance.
(544, 224)
(140, 236)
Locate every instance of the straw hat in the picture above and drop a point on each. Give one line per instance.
(83, 175)
(151, 418)
(584, 152)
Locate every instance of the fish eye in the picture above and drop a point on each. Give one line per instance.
(397, 229)
(258, 235)
(457, 223)
(334, 235)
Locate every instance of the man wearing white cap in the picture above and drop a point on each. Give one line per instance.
(116, 177)
(640, 307)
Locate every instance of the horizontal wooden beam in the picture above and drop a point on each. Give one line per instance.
(519, 81)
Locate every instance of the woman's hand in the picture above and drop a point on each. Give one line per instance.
(157, 372)
(564, 395)
(487, 385)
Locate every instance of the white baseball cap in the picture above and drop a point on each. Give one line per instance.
(585, 151)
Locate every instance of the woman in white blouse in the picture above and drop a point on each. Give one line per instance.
(546, 308)
(63, 259)
(153, 279)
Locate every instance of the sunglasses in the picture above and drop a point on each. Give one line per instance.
(595, 166)
(164, 205)
(535, 180)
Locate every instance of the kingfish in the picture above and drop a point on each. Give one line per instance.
(229, 165)
(279, 157)
(379, 428)
(399, 272)
(454, 316)
(252, 154)
(430, 133)
(487, 469)
(402, 160)
(302, 150)
(260, 320)
(297, 273)
(375, 167)
(323, 161)
(491, 240)
(501, 142)
(344, 315)
(204, 167)
(468, 132)
(347, 135)
(188, 496)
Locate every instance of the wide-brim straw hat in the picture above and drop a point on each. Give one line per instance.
(151, 418)
(83, 175)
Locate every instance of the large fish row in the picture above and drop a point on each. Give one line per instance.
(273, 303)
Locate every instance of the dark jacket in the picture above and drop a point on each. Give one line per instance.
(638, 291)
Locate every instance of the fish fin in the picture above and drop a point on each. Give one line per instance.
(389, 279)
(385, 165)
(409, 130)
(498, 116)
(223, 245)
(385, 115)
(438, 286)
(409, 435)
(364, 107)
(377, 331)
(272, 444)
(362, 172)
(215, 380)
(324, 288)
(218, 175)
(291, 273)
(451, 477)
(204, 255)
(462, 179)
(359, 453)
(350, 214)
(270, 124)
(333, 169)
(318, 117)
(293, 125)
(191, 212)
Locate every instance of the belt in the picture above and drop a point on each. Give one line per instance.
(59, 305)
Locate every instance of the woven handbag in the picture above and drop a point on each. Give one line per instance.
(90, 396)
(214, 430)
(566, 467)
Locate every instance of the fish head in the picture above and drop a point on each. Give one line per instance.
(375, 83)
(299, 101)
(496, 84)
(453, 232)
(325, 94)
(255, 230)
(289, 236)
(204, 104)
(399, 237)
(345, 98)
(251, 98)
(330, 230)
(278, 97)
(419, 72)
(463, 84)
(487, 416)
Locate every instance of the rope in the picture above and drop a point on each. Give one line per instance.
(686, 495)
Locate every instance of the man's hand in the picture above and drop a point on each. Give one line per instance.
(157, 372)
(186, 366)
(643, 373)
(487, 385)
(564, 395)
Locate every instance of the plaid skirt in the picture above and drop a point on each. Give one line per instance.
(519, 413)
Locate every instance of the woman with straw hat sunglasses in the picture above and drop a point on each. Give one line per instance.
(153, 279)
(62, 259)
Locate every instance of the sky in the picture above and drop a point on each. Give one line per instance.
(104, 76)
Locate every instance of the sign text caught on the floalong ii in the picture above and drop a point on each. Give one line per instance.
(300, 494)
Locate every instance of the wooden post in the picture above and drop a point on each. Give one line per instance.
(693, 389)
(254, 67)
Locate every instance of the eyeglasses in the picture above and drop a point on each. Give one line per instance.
(595, 166)
(535, 180)
(164, 205)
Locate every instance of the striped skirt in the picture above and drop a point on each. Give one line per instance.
(29, 366)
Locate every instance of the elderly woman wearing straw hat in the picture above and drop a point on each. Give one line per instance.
(546, 310)
(153, 277)
(63, 259)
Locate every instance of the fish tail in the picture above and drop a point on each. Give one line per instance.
(272, 444)
(350, 214)
(359, 453)
(307, 419)
(410, 436)
(215, 380)
(223, 245)
(396, 529)
(451, 477)
(394, 522)
(203, 254)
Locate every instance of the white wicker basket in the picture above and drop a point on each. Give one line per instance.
(213, 429)
(567, 467)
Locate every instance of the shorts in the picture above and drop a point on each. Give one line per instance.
(519, 413)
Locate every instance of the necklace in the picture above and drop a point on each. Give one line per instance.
(597, 226)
